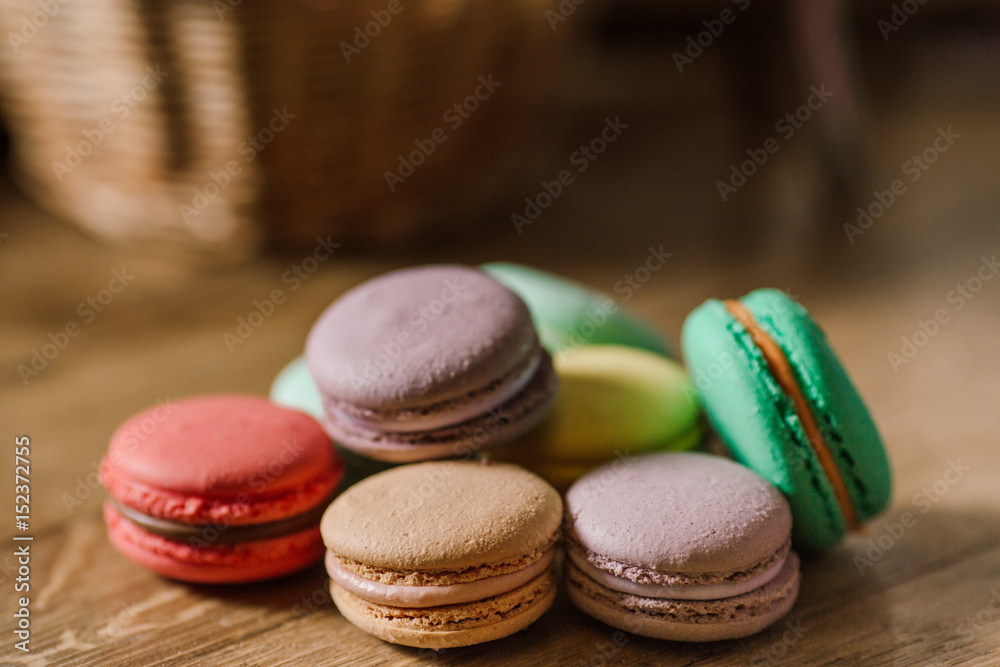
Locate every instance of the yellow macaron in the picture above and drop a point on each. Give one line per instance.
(613, 402)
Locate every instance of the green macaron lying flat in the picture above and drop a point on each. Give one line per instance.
(293, 387)
(775, 392)
(567, 314)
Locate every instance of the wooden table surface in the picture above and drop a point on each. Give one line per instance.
(922, 586)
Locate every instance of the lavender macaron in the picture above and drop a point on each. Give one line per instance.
(429, 362)
(681, 546)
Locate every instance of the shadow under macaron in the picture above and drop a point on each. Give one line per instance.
(301, 592)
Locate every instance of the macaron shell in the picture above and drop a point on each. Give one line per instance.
(756, 420)
(219, 446)
(849, 430)
(214, 564)
(444, 516)
(419, 336)
(688, 514)
(687, 620)
(613, 401)
(568, 314)
(759, 423)
(452, 625)
(294, 388)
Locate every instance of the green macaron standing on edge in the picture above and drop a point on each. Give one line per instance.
(569, 315)
(777, 395)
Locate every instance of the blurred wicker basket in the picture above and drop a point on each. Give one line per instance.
(207, 126)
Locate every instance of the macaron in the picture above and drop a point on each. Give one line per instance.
(613, 402)
(777, 395)
(294, 388)
(219, 489)
(429, 362)
(443, 553)
(682, 546)
(569, 315)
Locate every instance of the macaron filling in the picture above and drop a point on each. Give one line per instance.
(398, 595)
(221, 533)
(674, 592)
(781, 370)
(434, 417)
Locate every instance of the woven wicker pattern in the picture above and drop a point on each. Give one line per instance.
(205, 127)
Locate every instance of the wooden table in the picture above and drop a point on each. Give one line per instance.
(921, 587)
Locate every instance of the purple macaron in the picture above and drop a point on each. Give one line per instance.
(682, 546)
(429, 362)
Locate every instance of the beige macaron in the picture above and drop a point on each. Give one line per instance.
(443, 554)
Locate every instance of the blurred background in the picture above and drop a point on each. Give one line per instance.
(179, 174)
(169, 166)
(215, 132)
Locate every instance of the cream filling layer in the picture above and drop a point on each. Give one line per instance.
(697, 592)
(397, 595)
(451, 417)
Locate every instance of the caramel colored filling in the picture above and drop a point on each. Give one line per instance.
(781, 371)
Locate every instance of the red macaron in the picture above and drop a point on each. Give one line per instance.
(219, 489)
